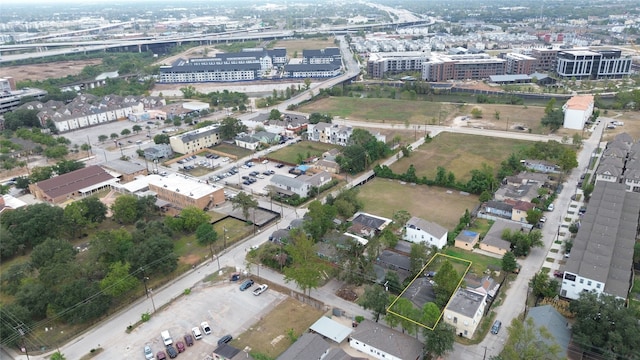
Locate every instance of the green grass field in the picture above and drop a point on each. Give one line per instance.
(289, 154)
(459, 153)
(479, 263)
(384, 197)
(233, 150)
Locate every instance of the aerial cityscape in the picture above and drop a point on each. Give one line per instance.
(325, 180)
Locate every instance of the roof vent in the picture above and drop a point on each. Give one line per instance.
(177, 190)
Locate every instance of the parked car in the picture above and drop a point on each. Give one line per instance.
(188, 339)
(205, 327)
(172, 352)
(260, 289)
(197, 334)
(551, 207)
(148, 354)
(161, 355)
(558, 273)
(246, 284)
(225, 339)
(496, 327)
(180, 346)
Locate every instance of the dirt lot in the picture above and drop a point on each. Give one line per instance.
(37, 72)
(384, 197)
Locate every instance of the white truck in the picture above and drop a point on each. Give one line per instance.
(166, 338)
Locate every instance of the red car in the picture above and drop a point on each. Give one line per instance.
(188, 339)
(180, 346)
(161, 355)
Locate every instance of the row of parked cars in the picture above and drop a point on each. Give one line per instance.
(172, 350)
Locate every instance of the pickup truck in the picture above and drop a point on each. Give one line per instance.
(260, 289)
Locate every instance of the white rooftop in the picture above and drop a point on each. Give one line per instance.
(183, 184)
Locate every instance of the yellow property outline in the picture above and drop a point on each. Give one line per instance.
(414, 279)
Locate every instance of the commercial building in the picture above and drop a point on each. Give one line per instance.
(380, 65)
(520, 64)
(546, 59)
(195, 140)
(78, 183)
(586, 64)
(577, 111)
(183, 191)
(11, 98)
(602, 254)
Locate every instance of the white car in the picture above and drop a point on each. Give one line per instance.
(205, 328)
(196, 333)
(260, 289)
(551, 207)
(148, 354)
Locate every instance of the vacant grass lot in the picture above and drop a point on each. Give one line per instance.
(459, 153)
(384, 197)
(295, 47)
(289, 154)
(269, 336)
(479, 262)
(234, 151)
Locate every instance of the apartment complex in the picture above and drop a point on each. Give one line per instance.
(520, 64)
(462, 67)
(545, 59)
(380, 65)
(11, 98)
(586, 64)
(577, 111)
(195, 140)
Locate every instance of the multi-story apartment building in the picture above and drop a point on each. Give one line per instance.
(381, 64)
(11, 98)
(329, 133)
(195, 140)
(586, 64)
(322, 56)
(545, 59)
(462, 67)
(520, 64)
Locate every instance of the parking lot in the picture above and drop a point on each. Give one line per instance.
(227, 310)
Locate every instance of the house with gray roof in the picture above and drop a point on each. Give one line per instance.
(266, 137)
(228, 352)
(420, 230)
(308, 346)
(602, 253)
(312, 71)
(195, 140)
(381, 342)
(464, 311)
(247, 142)
(125, 170)
(542, 166)
(609, 169)
(301, 185)
(393, 260)
(498, 208)
(548, 317)
(320, 132)
(493, 241)
(158, 151)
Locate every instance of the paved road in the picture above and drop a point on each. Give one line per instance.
(514, 303)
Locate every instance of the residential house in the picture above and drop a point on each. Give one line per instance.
(392, 260)
(329, 166)
(301, 185)
(8, 203)
(542, 166)
(548, 317)
(308, 346)
(247, 142)
(420, 230)
(266, 137)
(464, 311)
(381, 342)
(331, 329)
(467, 239)
(367, 225)
(195, 140)
(577, 111)
(158, 151)
(485, 285)
(499, 208)
(320, 132)
(523, 191)
(289, 124)
(79, 183)
(527, 177)
(493, 241)
(339, 135)
(602, 253)
(624, 138)
(420, 291)
(519, 210)
(280, 236)
(632, 180)
(609, 169)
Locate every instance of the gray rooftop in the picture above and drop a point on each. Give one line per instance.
(124, 167)
(308, 346)
(603, 247)
(498, 227)
(466, 302)
(395, 259)
(287, 181)
(388, 340)
(429, 227)
(554, 322)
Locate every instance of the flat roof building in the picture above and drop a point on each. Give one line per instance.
(184, 191)
(195, 140)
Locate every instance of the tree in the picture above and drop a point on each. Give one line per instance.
(400, 219)
(40, 173)
(245, 202)
(136, 128)
(79, 301)
(306, 270)
(320, 219)
(230, 127)
(446, 281)
(67, 166)
(307, 83)
(114, 136)
(476, 113)
(274, 114)
(125, 132)
(161, 139)
(430, 314)
(193, 217)
(533, 216)
(52, 251)
(58, 356)
(125, 209)
(56, 152)
(75, 218)
(526, 341)
(102, 138)
(439, 341)
(542, 285)
(95, 211)
(418, 256)
(28, 226)
(118, 280)
(375, 299)
(206, 236)
(509, 263)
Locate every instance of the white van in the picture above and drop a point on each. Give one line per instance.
(166, 338)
